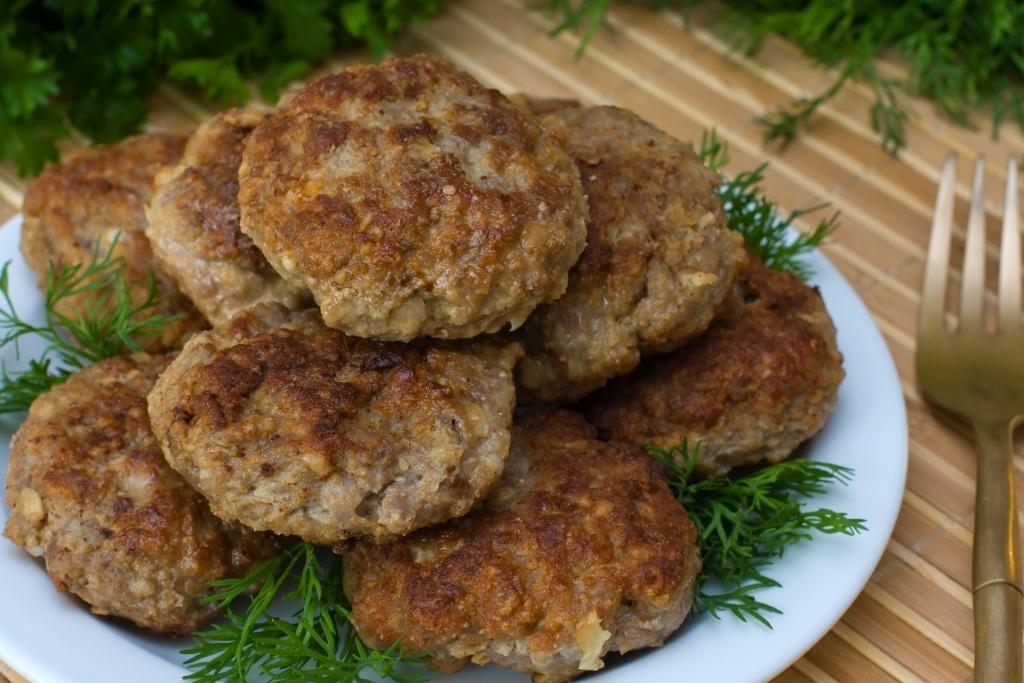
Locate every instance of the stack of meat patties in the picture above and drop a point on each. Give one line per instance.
(406, 274)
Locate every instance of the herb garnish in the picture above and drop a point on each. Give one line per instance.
(765, 231)
(316, 643)
(963, 56)
(109, 322)
(92, 65)
(746, 523)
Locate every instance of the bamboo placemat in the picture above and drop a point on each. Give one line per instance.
(913, 622)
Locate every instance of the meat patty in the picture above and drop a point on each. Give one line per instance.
(762, 380)
(287, 425)
(659, 261)
(193, 224)
(412, 201)
(580, 550)
(90, 492)
(93, 197)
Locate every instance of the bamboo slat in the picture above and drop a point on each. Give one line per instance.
(913, 622)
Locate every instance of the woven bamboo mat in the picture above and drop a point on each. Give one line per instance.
(913, 622)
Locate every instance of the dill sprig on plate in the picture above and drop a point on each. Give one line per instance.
(108, 323)
(765, 230)
(316, 643)
(746, 523)
(965, 57)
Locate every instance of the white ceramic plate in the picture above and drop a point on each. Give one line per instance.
(51, 638)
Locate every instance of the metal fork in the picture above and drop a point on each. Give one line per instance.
(979, 376)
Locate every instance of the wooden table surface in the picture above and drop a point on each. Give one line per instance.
(913, 622)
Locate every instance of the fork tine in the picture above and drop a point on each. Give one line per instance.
(1009, 254)
(933, 299)
(972, 292)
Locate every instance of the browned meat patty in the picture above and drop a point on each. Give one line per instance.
(287, 425)
(412, 201)
(580, 550)
(658, 264)
(89, 199)
(90, 493)
(193, 224)
(762, 380)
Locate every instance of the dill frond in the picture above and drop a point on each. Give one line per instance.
(744, 524)
(316, 643)
(962, 56)
(765, 231)
(107, 323)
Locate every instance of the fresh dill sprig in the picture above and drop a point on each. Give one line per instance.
(315, 644)
(18, 390)
(107, 323)
(588, 16)
(889, 110)
(745, 524)
(966, 57)
(765, 231)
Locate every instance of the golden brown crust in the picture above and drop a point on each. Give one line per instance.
(94, 196)
(581, 549)
(287, 425)
(762, 380)
(90, 492)
(658, 264)
(412, 201)
(193, 224)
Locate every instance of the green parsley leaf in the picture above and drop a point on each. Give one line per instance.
(92, 66)
(218, 78)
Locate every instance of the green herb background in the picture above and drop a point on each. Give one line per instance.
(91, 64)
(966, 57)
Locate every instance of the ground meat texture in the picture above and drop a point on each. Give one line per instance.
(193, 224)
(412, 202)
(91, 494)
(659, 262)
(762, 380)
(580, 550)
(287, 425)
(90, 198)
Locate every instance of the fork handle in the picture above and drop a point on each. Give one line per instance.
(997, 571)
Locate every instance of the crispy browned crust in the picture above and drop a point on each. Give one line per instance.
(90, 492)
(287, 425)
(581, 549)
(658, 264)
(93, 196)
(762, 380)
(412, 201)
(193, 224)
